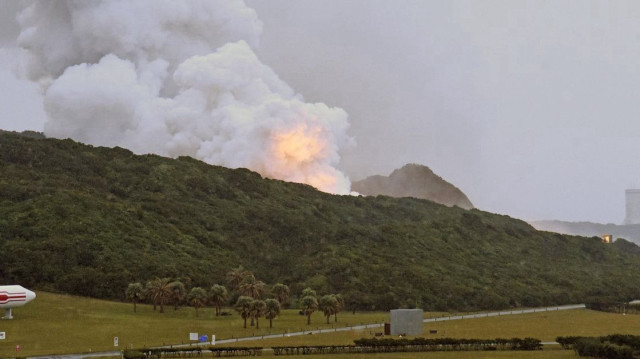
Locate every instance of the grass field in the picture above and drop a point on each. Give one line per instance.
(55, 323)
(64, 324)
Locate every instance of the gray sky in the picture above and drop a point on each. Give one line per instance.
(530, 107)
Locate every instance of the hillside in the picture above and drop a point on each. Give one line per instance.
(416, 181)
(89, 220)
(630, 232)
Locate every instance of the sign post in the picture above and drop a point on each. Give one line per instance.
(193, 336)
(213, 339)
(2, 335)
(115, 341)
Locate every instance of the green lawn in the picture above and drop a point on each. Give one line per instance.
(545, 326)
(62, 324)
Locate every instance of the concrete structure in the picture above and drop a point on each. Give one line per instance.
(406, 321)
(633, 206)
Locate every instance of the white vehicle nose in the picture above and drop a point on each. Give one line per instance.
(30, 295)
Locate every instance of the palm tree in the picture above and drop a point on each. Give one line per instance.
(309, 305)
(160, 290)
(272, 310)
(281, 292)
(135, 292)
(218, 296)
(243, 307)
(340, 300)
(252, 287)
(235, 277)
(197, 298)
(258, 308)
(329, 305)
(308, 291)
(178, 293)
(148, 292)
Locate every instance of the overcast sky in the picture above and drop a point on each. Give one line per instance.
(531, 108)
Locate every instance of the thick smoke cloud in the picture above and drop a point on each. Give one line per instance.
(178, 78)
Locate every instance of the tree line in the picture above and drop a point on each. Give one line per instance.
(147, 353)
(364, 345)
(456, 344)
(246, 293)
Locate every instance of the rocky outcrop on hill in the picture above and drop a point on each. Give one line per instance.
(416, 181)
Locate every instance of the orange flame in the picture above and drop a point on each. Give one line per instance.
(301, 154)
(300, 145)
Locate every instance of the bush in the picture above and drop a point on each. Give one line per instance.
(133, 354)
(454, 343)
(600, 348)
(567, 342)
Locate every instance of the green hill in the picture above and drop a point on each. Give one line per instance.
(89, 220)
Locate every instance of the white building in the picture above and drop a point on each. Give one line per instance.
(632, 207)
(406, 321)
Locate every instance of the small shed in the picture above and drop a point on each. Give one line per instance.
(406, 321)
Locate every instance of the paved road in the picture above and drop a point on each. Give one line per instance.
(342, 329)
(508, 312)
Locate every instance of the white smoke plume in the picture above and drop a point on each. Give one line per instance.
(178, 78)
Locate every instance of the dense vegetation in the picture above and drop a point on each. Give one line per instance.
(616, 346)
(183, 352)
(364, 345)
(90, 220)
(454, 344)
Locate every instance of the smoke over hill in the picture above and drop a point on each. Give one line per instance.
(178, 78)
